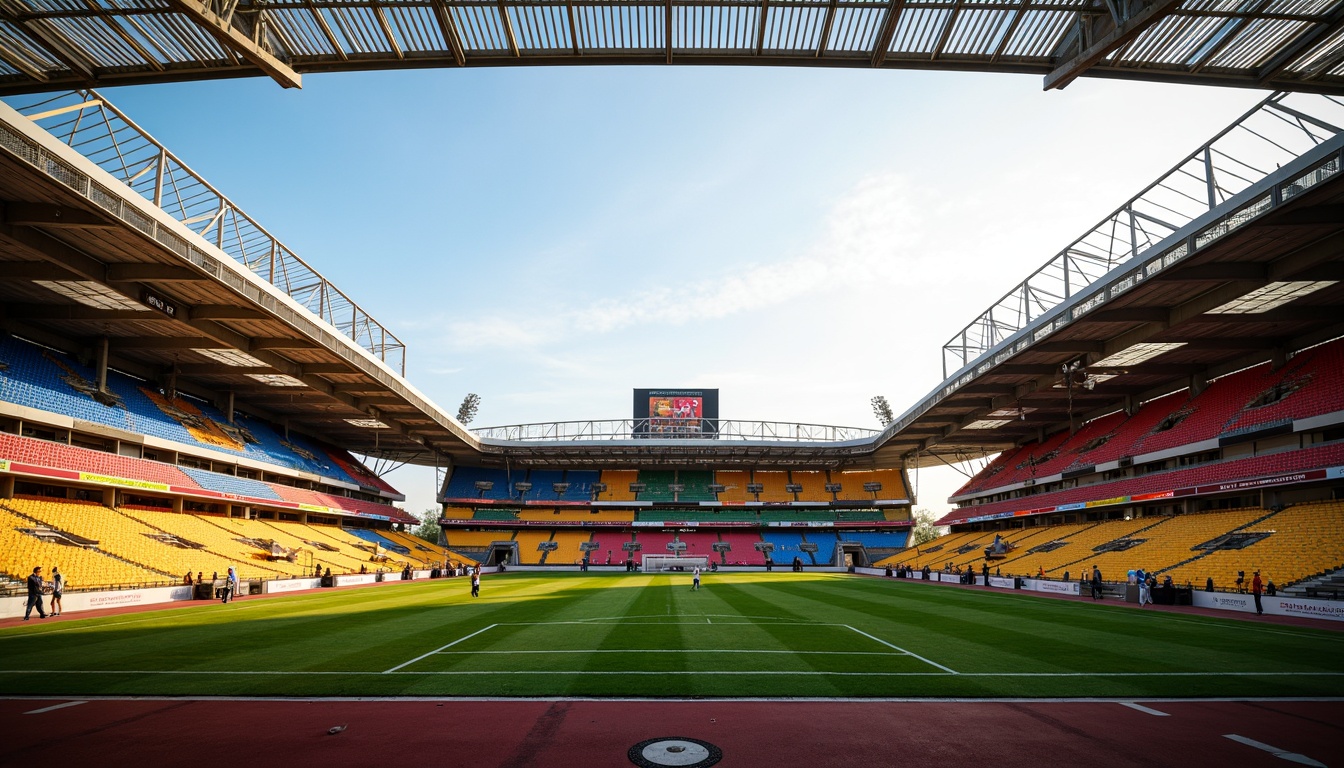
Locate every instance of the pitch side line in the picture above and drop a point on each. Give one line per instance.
(948, 670)
(431, 653)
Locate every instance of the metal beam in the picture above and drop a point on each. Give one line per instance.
(166, 342)
(79, 312)
(1214, 272)
(53, 44)
(826, 25)
(1121, 35)
(281, 343)
(221, 369)
(1081, 345)
(158, 273)
(667, 29)
(24, 271)
(53, 217)
(1301, 45)
(887, 32)
(1128, 315)
(237, 42)
(225, 312)
(507, 23)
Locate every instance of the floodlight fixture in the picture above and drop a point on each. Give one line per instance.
(755, 487)
(872, 487)
(833, 487)
(522, 487)
(717, 488)
(793, 488)
(485, 485)
(559, 488)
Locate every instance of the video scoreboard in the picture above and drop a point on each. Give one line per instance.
(672, 413)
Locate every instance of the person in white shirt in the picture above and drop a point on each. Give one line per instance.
(695, 583)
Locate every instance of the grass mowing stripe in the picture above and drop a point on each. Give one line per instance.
(650, 635)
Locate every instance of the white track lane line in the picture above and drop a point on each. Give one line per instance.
(949, 670)
(55, 707)
(1143, 709)
(1291, 757)
(436, 650)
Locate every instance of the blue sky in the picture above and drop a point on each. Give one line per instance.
(801, 239)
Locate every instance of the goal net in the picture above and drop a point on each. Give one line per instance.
(659, 563)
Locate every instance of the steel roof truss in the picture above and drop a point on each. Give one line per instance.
(235, 41)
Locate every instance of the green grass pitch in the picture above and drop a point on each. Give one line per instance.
(742, 634)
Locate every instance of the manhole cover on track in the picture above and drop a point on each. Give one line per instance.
(674, 751)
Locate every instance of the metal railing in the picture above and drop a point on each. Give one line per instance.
(89, 124)
(1279, 129)
(644, 429)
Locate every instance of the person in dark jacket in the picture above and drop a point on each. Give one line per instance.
(35, 587)
(1096, 583)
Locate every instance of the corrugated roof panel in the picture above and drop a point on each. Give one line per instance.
(1038, 34)
(612, 27)
(978, 31)
(794, 27)
(1257, 42)
(918, 30)
(541, 29)
(305, 35)
(480, 28)
(415, 27)
(1171, 41)
(855, 29)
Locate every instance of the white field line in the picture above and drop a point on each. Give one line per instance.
(431, 653)
(660, 615)
(1143, 709)
(300, 673)
(673, 650)
(1282, 754)
(949, 670)
(55, 707)
(623, 620)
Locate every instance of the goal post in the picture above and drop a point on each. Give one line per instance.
(662, 563)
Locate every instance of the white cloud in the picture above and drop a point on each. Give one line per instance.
(871, 237)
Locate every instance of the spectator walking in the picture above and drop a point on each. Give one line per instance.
(1257, 587)
(230, 586)
(695, 580)
(476, 582)
(1096, 583)
(35, 587)
(58, 587)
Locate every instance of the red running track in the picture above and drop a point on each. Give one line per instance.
(568, 734)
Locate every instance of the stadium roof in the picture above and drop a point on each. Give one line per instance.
(1233, 258)
(48, 45)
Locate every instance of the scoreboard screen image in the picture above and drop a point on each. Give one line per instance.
(676, 412)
